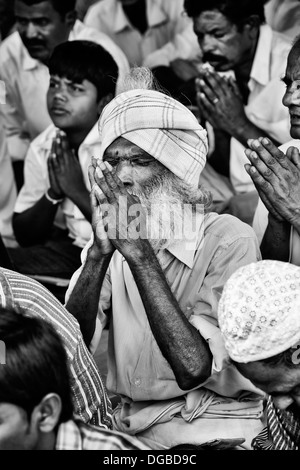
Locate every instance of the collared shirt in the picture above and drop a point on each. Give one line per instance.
(169, 35)
(25, 113)
(36, 182)
(260, 220)
(91, 403)
(283, 16)
(264, 108)
(136, 368)
(8, 192)
(76, 435)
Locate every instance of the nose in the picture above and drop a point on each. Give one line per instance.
(283, 401)
(291, 97)
(60, 93)
(206, 43)
(31, 31)
(125, 173)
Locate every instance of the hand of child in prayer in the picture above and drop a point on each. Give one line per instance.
(65, 169)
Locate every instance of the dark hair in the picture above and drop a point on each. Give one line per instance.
(286, 358)
(35, 363)
(85, 60)
(61, 6)
(237, 11)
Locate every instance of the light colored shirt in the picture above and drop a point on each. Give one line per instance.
(136, 368)
(169, 35)
(264, 109)
(8, 192)
(36, 182)
(25, 113)
(283, 16)
(260, 220)
(91, 403)
(76, 435)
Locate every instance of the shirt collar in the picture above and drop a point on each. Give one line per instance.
(156, 16)
(91, 138)
(184, 250)
(260, 71)
(68, 437)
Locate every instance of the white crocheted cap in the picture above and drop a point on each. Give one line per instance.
(259, 310)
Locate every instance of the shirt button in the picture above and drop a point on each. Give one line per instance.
(137, 382)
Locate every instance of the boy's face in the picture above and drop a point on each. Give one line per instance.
(16, 432)
(41, 28)
(72, 106)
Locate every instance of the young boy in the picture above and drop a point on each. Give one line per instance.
(36, 410)
(52, 213)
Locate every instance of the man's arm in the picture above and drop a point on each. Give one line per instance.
(276, 177)
(83, 302)
(276, 240)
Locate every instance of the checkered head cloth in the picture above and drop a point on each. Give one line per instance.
(259, 310)
(161, 126)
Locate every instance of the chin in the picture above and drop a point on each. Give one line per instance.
(295, 132)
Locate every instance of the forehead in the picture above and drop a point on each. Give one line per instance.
(122, 147)
(293, 63)
(43, 9)
(210, 20)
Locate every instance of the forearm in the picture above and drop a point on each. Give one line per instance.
(276, 241)
(180, 343)
(248, 130)
(82, 201)
(34, 225)
(83, 302)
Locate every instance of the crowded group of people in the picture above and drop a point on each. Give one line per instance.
(149, 191)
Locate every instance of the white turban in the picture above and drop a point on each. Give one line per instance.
(259, 310)
(161, 126)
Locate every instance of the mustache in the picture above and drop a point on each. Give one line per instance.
(32, 43)
(213, 58)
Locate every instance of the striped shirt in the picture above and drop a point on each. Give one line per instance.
(91, 403)
(75, 435)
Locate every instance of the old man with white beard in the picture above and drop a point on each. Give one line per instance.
(158, 279)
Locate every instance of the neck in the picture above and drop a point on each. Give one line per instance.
(243, 70)
(76, 138)
(47, 441)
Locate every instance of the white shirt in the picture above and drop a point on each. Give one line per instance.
(169, 36)
(264, 108)
(37, 182)
(25, 113)
(260, 220)
(283, 16)
(8, 193)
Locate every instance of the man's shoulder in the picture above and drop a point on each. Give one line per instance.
(280, 46)
(11, 49)
(227, 227)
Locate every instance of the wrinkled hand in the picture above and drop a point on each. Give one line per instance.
(124, 220)
(276, 177)
(65, 174)
(101, 239)
(220, 102)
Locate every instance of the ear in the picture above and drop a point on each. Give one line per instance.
(252, 25)
(70, 18)
(47, 413)
(104, 101)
